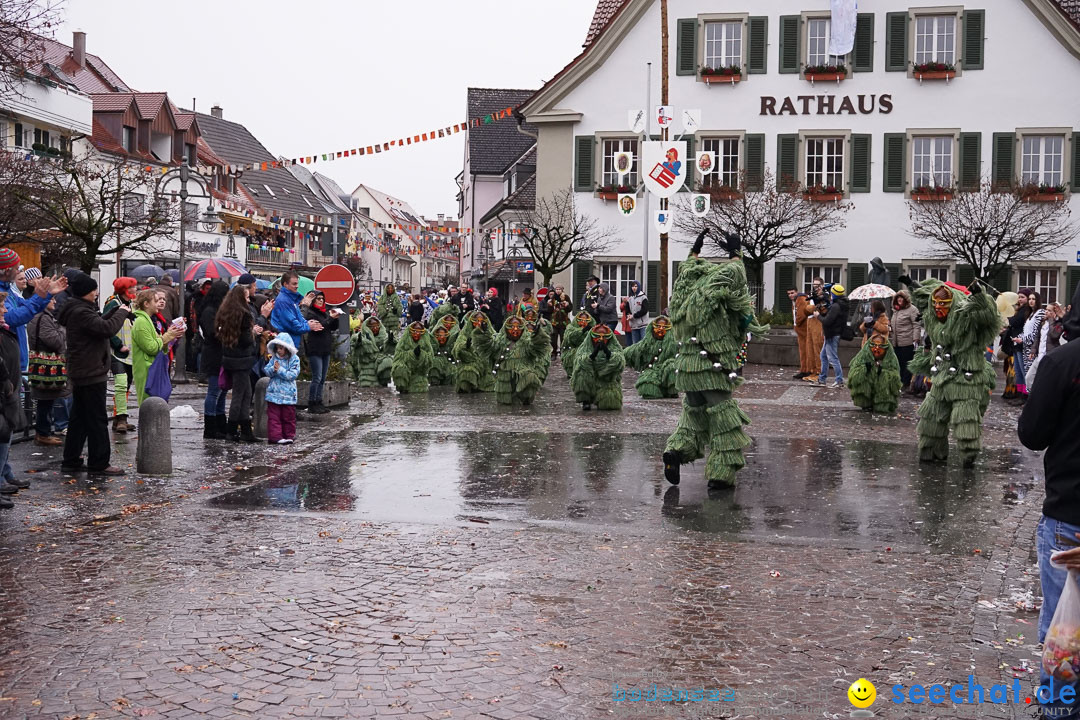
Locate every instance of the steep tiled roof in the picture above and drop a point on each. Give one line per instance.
(103, 140)
(149, 103)
(605, 10)
(493, 147)
(524, 198)
(111, 102)
(184, 121)
(96, 77)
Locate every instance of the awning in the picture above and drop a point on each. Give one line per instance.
(404, 258)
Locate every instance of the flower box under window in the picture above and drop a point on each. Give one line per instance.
(823, 194)
(825, 73)
(724, 193)
(721, 75)
(1043, 193)
(612, 192)
(934, 71)
(931, 194)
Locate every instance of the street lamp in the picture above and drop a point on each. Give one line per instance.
(185, 173)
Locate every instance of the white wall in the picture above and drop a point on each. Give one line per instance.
(1008, 94)
(52, 107)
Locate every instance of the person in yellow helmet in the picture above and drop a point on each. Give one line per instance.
(834, 325)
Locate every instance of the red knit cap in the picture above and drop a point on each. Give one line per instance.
(8, 258)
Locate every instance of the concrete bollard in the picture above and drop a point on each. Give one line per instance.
(260, 407)
(153, 456)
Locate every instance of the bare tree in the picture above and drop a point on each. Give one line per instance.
(100, 206)
(773, 223)
(22, 25)
(17, 219)
(557, 234)
(988, 229)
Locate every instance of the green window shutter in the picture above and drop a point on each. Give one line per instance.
(686, 53)
(895, 271)
(689, 164)
(584, 163)
(1002, 279)
(974, 39)
(652, 279)
(970, 161)
(789, 43)
(1004, 160)
(674, 273)
(965, 275)
(863, 59)
(784, 274)
(896, 30)
(1075, 164)
(754, 162)
(860, 163)
(582, 271)
(1072, 282)
(856, 275)
(787, 161)
(757, 55)
(895, 175)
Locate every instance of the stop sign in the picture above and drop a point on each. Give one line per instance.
(336, 283)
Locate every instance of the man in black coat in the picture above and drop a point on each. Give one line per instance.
(89, 362)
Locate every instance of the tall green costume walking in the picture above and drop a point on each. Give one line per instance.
(412, 360)
(370, 360)
(711, 313)
(473, 366)
(390, 309)
(443, 335)
(573, 336)
(961, 325)
(517, 358)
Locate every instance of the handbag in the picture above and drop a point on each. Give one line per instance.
(224, 380)
(46, 370)
(157, 378)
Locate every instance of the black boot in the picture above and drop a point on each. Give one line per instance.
(221, 427)
(209, 427)
(245, 432)
(671, 467)
(233, 433)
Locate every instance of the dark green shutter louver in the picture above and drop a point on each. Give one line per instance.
(970, 162)
(856, 275)
(652, 279)
(689, 164)
(965, 275)
(895, 271)
(789, 43)
(974, 39)
(894, 176)
(582, 271)
(863, 59)
(784, 274)
(584, 146)
(1002, 279)
(686, 53)
(860, 163)
(674, 272)
(754, 162)
(757, 56)
(787, 161)
(896, 30)
(1071, 282)
(1075, 165)
(1003, 173)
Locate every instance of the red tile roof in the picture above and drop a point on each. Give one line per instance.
(96, 77)
(150, 103)
(111, 102)
(184, 121)
(105, 142)
(605, 11)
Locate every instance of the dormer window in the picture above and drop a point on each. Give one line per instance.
(128, 138)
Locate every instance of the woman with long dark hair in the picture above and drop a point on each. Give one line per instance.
(236, 332)
(210, 361)
(1030, 340)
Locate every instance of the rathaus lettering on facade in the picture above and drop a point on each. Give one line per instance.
(827, 105)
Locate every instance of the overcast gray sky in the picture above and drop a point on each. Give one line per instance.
(325, 75)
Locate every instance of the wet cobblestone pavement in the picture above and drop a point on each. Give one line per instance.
(440, 557)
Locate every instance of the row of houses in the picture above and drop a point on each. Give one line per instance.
(244, 202)
(1002, 106)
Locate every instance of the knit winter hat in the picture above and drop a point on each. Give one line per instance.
(32, 273)
(82, 285)
(838, 290)
(246, 279)
(8, 259)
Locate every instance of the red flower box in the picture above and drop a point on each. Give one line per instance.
(823, 197)
(936, 75)
(825, 77)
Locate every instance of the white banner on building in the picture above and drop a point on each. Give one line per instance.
(706, 162)
(700, 204)
(842, 26)
(636, 121)
(662, 167)
(627, 204)
(663, 220)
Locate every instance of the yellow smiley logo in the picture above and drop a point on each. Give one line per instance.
(862, 693)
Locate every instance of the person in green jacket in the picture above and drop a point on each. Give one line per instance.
(146, 343)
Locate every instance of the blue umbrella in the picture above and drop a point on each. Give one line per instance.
(262, 284)
(144, 271)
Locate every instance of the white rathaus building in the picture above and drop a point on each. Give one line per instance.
(1010, 110)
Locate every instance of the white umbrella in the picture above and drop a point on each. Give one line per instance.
(873, 291)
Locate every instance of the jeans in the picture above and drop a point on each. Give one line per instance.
(1018, 367)
(905, 355)
(637, 334)
(240, 410)
(89, 426)
(215, 396)
(61, 413)
(1052, 536)
(612, 325)
(319, 364)
(43, 419)
(830, 355)
(5, 449)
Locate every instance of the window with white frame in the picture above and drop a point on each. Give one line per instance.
(618, 277)
(831, 274)
(1043, 160)
(818, 35)
(723, 43)
(3, 135)
(609, 175)
(1042, 280)
(935, 39)
(726, 171)
(825, 163)
(922, 273)
(932, 162)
